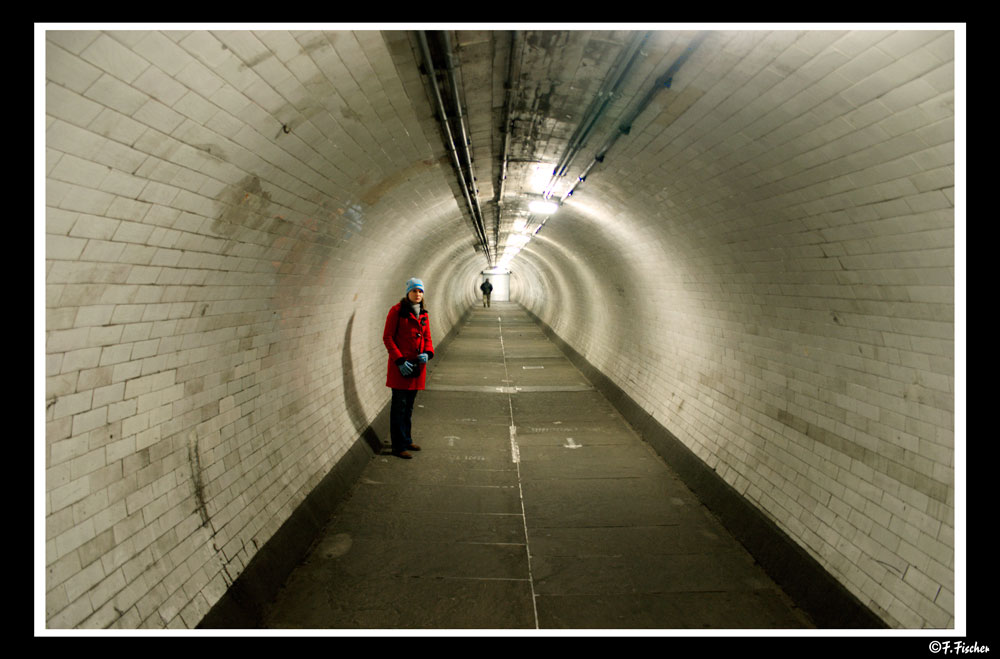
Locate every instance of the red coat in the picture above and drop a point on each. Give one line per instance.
(406, 336)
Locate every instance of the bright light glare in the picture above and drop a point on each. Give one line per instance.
(508, 255)
(540, 176)
(543, 207)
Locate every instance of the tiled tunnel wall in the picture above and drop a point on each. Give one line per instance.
(215, 289)
(214, 310)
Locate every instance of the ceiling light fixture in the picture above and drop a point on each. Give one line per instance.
(543, 207)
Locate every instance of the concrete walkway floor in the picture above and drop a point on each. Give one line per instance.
(533, 505)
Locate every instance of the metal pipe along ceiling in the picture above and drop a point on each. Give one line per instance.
(465, 141)
(450, 144)
(515, 41)
(619, 72)
(663, 81)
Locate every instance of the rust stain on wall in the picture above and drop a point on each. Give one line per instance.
(243, 205)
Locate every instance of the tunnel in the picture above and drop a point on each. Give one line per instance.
(745, 237)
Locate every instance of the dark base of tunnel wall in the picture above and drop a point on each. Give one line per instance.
(814, 590)
(243, 604)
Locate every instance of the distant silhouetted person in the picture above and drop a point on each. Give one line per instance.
(407, 337)
(486, 287)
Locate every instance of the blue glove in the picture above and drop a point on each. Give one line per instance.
(406, 369)
(422, 358)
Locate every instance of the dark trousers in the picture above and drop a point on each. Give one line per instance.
(400, 417)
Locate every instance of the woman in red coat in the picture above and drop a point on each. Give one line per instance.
(407, 337)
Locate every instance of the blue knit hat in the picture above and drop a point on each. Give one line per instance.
(414, 283)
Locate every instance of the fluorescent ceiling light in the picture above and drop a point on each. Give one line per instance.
(543, 207)
(541, 174)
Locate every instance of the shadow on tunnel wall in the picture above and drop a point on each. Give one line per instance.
(355, 408)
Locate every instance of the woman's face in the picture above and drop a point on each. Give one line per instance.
(415, 296)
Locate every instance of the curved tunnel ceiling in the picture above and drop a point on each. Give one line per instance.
(758, 249)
